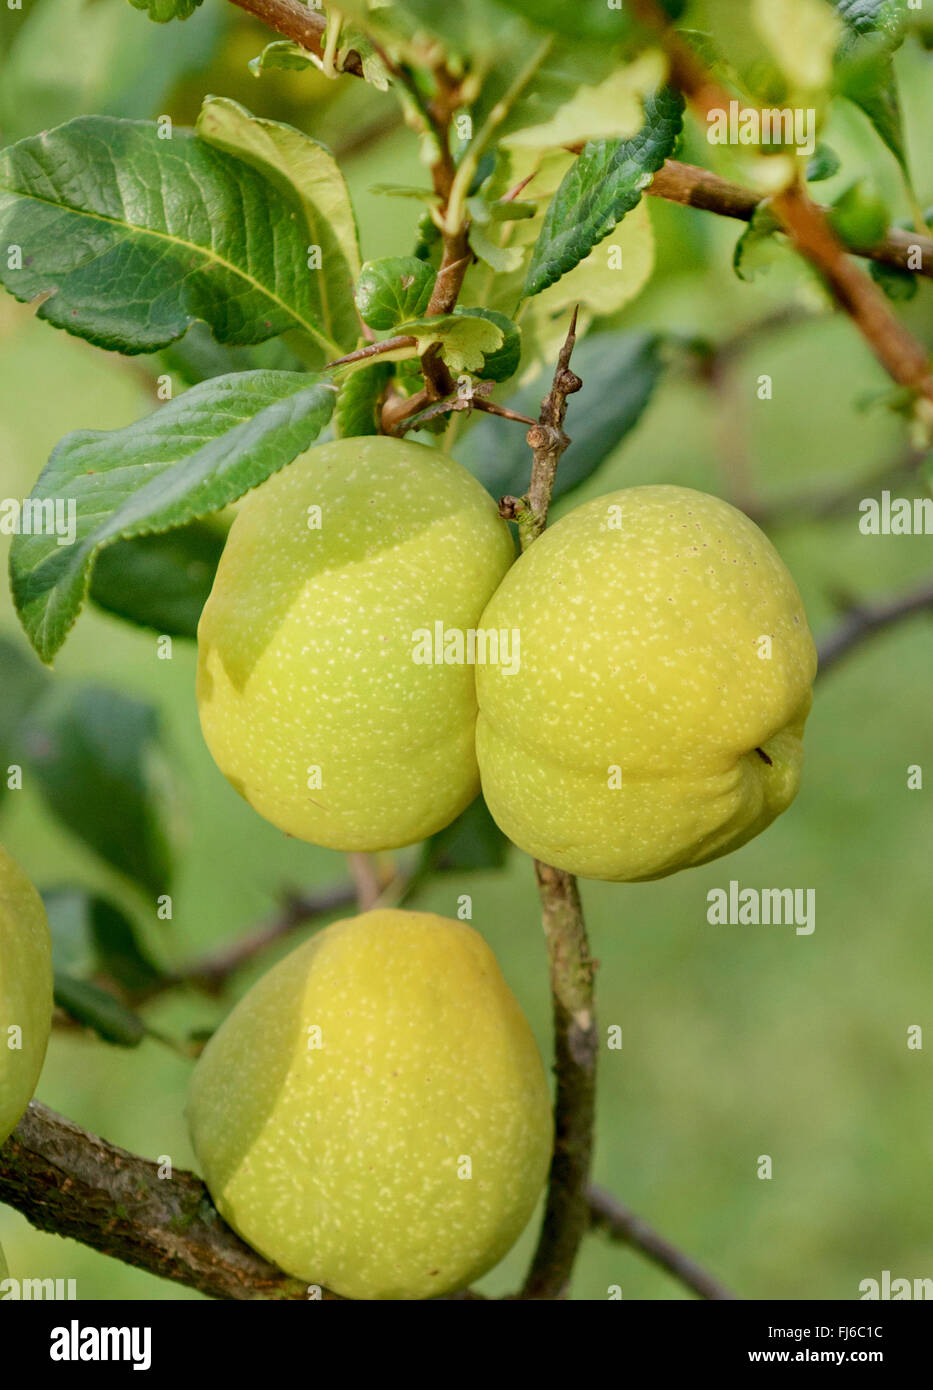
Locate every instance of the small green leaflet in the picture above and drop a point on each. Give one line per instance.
(874, 17)
(598, 190)
(822, 164)
(133, 238)
(90, 934)
(865, 69)
(164, 10)
(303, 168)
(192, 456)
(98, 1009)
(755, 248)
(359, 397)
(283, 53)
(394, 289)
(589, 20)
(465, 339)
(503, 362)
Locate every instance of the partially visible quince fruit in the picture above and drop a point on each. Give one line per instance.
(25, 991)
(373, 1116)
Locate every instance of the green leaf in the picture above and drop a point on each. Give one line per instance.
(503, 363)
(874, 17)
(283, 53)
(96, 756)
(619, 373)
(472, 841)
(598, 190)
(504, 260)
(601, 284)
(899, 285)
(192, 456)
(802, 35)
(300, 167)
(822, 164)
(354, 40)
(160, 581)
(22, 683)
(864, 67)
(133, 238)
(394, 289)
(405, 190)
(859, 216)
(757, 247)
(533, 82)
(358, 400)
(467, 27)
(164, 10)
(90, 935)
(588, 101)
(97, 1009)
(587, 21)
(465, 340)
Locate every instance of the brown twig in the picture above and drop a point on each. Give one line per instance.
(211, 972)
(566, 1215)
(805, 223)
(699, 188)
(571, 968)
(620, 1223)
(72, 1183)
(363, 354)
(548, 442)
(456, 257)
(365, 874)
(297, 21)
(463, 401)
(866, 619)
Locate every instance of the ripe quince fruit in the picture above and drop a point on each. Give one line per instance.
(373, 1116)
(665, 679)
(311, 698)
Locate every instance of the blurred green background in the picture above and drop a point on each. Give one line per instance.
(737, 1041)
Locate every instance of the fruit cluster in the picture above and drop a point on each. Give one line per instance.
(374, 1115)
(649, 716)
(630, 696)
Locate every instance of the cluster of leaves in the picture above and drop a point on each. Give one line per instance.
(231, 253)
(240, 236)
(805, 53)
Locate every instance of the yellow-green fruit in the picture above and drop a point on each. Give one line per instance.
(25, 991)
(4, 1271)
(315, 698)
(656, 718)
(373, 1116)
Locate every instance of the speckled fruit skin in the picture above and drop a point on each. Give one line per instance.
(341, 1163)
(306, 651)
(25, 991)
(639, 652)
